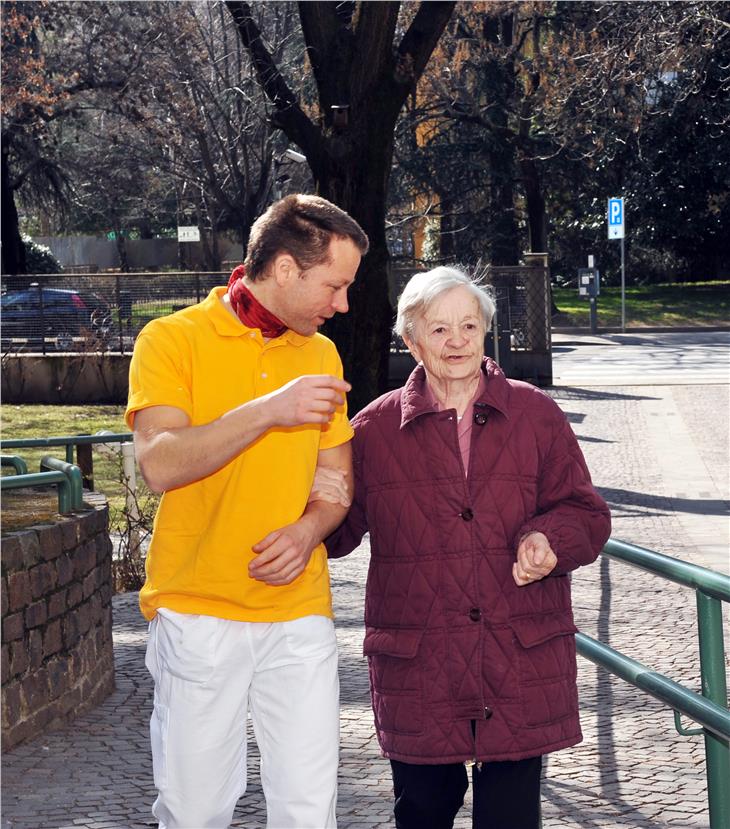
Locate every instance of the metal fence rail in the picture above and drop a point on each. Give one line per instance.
(18, 464)
(710, 709)
(65, 476)
(82, 443)
(106, 311)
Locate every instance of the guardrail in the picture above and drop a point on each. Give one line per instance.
(83, 444)
(709, 709)
(72, 472)
(18, 464)
(84, 476)
(65, 476)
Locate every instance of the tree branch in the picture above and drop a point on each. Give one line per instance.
(324, 28)
(415, 48)
(289, 115)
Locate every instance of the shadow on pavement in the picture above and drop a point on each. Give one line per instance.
(576, 393)
(619, 499)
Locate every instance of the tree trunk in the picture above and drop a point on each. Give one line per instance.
(13, 249)
(363, 334)
(536, 216)
(502, 232)
(363, 79)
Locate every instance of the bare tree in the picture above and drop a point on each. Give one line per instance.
(365, 60)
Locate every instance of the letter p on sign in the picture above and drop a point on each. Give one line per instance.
(616, 218)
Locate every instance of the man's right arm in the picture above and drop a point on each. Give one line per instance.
(172, 453)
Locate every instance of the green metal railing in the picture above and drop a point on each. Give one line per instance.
(72, 472)
(83, 444)
(18, 464)
(709, 709)
(65, 476)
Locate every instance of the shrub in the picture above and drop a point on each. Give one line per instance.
(39, 258)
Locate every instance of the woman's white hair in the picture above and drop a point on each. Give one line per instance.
(423, 288)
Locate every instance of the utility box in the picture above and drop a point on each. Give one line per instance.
(589, 282)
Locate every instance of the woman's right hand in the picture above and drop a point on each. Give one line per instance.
(330, 485)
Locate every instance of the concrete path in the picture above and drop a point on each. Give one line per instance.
(660, 457)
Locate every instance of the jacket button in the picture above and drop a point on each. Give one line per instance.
(475, 614)
(487, 713)
(480, 418)
(466, 514)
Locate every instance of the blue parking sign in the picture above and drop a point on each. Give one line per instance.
(616, 218)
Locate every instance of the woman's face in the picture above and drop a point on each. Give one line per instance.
(449, 338)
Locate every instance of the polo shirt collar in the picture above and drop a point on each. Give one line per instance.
(227, 325)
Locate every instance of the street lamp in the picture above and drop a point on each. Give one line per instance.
(293, 155)
(281, 180)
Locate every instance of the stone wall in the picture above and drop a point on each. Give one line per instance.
(57, 657)
(65, 378)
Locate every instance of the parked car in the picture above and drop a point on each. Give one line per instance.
(66, 317)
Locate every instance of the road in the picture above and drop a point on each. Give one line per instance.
(696, 358)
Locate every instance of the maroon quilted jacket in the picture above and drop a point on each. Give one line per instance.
(450, 637)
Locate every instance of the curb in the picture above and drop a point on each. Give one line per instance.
(696, 329)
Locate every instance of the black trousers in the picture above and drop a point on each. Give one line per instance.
(506, 795)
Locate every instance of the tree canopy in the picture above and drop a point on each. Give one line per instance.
(468, 132)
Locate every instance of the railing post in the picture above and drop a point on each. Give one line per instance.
(41, 308)
(85, 462)
(119, 313)
(714, 687)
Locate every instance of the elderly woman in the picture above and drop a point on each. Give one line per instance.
(479, 505)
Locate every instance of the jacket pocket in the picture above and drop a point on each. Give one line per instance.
(395, 679)
(546, 657)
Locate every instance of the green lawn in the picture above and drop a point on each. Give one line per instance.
(686, 304)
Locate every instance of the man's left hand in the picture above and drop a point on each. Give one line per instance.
(535, 559)
(283, 554)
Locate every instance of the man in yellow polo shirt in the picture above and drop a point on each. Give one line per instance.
(234, 402)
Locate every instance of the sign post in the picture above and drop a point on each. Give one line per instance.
(616, 230)
(589, 285)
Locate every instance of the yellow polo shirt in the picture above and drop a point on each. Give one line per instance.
(204, 361)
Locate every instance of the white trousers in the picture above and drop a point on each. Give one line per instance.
(209, 673)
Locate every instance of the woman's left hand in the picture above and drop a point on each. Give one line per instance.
(535, 559)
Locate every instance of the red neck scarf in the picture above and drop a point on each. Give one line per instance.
(249, 310)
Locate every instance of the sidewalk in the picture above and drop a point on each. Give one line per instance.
(632, 770)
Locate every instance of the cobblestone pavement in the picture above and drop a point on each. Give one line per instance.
(632, 770)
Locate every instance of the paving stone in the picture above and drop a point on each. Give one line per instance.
(632, 771)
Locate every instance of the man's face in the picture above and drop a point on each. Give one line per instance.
(313, 296)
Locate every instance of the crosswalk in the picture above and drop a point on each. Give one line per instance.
(638, 360)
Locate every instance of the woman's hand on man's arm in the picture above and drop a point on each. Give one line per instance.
(282, 556)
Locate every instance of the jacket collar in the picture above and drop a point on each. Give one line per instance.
(416, 398)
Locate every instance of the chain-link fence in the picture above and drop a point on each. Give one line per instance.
(92, 312)
(520, 335)
(105, 312)
(523, 305)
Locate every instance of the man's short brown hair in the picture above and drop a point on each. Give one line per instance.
(302, 226)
